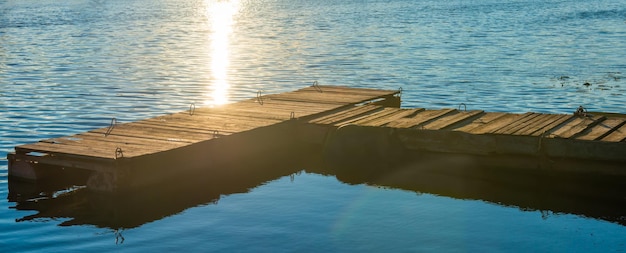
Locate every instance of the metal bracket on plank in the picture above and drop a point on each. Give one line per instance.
(464, 107)
(119, 153)
(581, 111)
(259, 98)
(192, 109)
(317, 87)
(111, 126)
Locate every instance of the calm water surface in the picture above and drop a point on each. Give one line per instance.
(70, 66)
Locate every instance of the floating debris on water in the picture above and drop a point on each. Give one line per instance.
(606, 81)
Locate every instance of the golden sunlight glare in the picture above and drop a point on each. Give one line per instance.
(220, 15)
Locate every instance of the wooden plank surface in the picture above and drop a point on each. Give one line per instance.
(480, 121)
(270, 109)
(343, 89)
(419, 118)
(132, 139)
(157, 132)
(452, 119)
(517, 124)
(497, 123)
(554, 121)
(110, 146)
(602, 129)
(346, 115)
(329, 105)
(576, 126)
(61, 150)
(369, 117)
(175, 130)
(400, 113)
(332, 95)
(618, 135)
(208, 124)
(533, 124)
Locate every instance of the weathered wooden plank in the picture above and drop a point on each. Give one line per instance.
(381, 121)
(323, 98)
(497, 123)
(422, 117)
(90, 139)
(280, 110)
(56, 149)
(332, 95)
(452, 119)
(565, 127)
(517, 124)
(576, 126)
(480, 121)
(533, 124)
(537, 124)
(105, 147)
(215, 119)
(207, 124)
(555, 122)
(346, 115)
(324, 119)
(71, 161)
(157, 133)
(602, 129)
(368, 117)
(132, 139)
(344, 89)
(337, 112)
(618, 135)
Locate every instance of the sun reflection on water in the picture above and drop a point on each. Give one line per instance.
(221, 19)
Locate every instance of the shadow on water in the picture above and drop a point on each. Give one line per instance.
(60, 200)
(458, 176)
(477, 178)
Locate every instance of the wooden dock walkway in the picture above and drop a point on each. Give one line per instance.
(177, 136)
(370, 118)
(593, 138)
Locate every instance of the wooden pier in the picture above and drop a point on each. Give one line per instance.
(591, 143)
(135, 153)
(352, 123)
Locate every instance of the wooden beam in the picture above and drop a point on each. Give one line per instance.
(618, 135)
(452, 119)
(422, 117)
(482, 120)
(602, 129)
(497, 123)
(382, 121)
(576, 126)
(517, 124)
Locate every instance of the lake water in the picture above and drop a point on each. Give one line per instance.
(71, 66)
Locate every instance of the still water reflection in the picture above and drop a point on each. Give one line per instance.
(594, 197)
(422, 199)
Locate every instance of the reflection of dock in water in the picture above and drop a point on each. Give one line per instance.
(597, 197)
(149, 203)
(470, 177)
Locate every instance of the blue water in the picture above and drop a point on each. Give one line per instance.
(71, 66)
